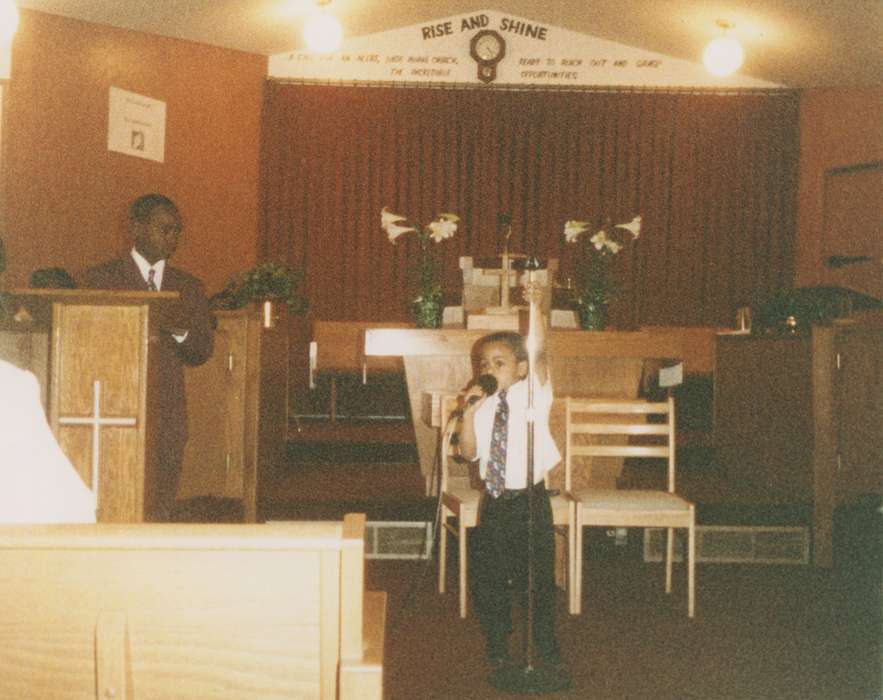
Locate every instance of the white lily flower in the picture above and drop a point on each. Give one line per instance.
(387, 218)
(573, 230)
(442, 228)
(613, 246)
(633, 226)
(599, 240)
(393, 230)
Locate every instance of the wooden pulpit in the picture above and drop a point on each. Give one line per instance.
(96, 386)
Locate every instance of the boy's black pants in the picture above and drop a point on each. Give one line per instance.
(501, 544)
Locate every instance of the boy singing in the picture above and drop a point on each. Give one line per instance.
(494, 433)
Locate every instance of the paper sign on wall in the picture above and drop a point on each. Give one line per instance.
(136, 125)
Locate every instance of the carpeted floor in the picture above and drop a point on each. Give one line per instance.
(760, 632)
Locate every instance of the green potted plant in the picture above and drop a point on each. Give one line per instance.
(263, 284)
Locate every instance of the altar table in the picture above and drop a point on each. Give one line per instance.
(605, 364)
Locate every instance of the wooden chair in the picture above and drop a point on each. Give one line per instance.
(461, 500)
(564, 519)
(618, 428)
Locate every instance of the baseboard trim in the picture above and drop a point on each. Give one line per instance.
(398, 540)
(729, 544)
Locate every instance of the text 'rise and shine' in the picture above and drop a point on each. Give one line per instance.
(468, 24)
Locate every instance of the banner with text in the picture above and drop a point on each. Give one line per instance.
(532, 54)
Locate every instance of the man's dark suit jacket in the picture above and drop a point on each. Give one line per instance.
(167, 400)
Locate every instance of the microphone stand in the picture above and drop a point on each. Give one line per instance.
(530, 679)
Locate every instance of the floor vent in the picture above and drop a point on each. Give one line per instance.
(726, 544)
(398, 540)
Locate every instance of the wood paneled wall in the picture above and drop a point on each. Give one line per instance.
(841, 136)
(65, 197)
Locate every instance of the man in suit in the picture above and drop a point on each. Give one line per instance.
(184, 336)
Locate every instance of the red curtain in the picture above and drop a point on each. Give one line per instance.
(713, 175)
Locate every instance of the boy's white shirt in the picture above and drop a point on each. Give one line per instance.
(546, 454)
(37, 482)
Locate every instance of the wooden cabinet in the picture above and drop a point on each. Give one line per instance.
(800, 418)
(237, 411)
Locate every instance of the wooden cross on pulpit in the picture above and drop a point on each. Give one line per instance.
(504, 272)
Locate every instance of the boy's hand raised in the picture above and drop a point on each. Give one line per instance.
(533, 293)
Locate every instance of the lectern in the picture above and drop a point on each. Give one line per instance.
(99, 380)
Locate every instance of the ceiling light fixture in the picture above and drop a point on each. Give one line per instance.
(724, 54)
(322, 31)
(8, 20)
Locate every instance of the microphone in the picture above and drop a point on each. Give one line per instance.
(488, 384)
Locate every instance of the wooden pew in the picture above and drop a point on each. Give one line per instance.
(193, 611)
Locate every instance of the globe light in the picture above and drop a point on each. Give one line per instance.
(723, 56)
(8, 20)
(323, 33)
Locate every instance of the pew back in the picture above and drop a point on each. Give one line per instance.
(192, 611)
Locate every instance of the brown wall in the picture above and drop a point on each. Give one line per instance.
(65, 195)
(841, 148)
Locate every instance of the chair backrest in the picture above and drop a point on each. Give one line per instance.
(449, 425)
(620, 428)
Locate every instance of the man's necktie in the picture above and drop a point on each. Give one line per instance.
(495, 479)
(151, 282)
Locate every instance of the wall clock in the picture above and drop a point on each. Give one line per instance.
(487, 48)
